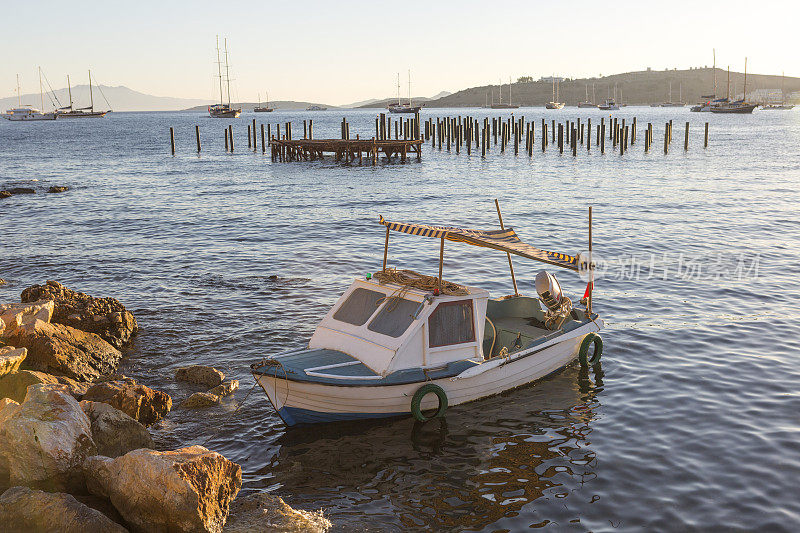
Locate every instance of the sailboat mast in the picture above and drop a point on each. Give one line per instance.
(409, 87)
(227, 72)
(91, 97)
(219, 72)
(714, 51)
(69, 88)
(744, 94)
(19, 94)
(41, 91)
(729, 83)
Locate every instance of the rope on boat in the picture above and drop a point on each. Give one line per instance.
(409, 279)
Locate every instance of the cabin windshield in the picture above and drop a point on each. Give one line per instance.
(359, 306)
(451, 323)
(395, 317)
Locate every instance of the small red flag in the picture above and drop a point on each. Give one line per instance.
(589, 287)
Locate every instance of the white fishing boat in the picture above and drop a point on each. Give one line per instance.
(610, 103)
(26, 113)
(398, 343)
(555, 104)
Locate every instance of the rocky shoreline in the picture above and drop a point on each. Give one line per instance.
(75, 451)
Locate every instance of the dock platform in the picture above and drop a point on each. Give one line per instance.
(347, 150)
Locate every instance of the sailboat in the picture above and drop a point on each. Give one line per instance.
(708, 100)
(555, 104)
(81, 112)
(223, 110)
(587, 103)
(507, 105)
(263, 108)
(27, 113)
(670, 103)
(783, 106)
(739, 107)
(401, 107)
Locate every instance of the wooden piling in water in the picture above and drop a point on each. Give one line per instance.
(633, 132)
(705, 141)
(248, 137)
(226, 140)
(588, 135)
(172, 139)
(666, 137)
(560, 138)
(263, 140)
(574, 141)
(602, 138)
(686, 139)
(197, 136)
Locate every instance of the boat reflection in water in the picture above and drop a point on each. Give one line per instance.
(518, 456)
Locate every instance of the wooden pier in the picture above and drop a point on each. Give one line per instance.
(347, 150)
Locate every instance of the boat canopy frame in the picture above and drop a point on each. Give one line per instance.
(504, 240)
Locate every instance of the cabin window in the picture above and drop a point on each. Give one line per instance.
(359, 306)
(395, 317)
(451, 323)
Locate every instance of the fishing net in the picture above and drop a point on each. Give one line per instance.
(408, 279)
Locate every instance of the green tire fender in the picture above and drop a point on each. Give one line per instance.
(423, 391)
(583, 352)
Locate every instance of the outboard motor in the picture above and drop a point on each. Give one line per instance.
(549, 290)
(558, 305)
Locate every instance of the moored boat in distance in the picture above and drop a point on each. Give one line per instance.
(586, 103)
(26, 113)
(554, 103)
(738, 107)
(81, 112)
(399, 343)
(315, 107)
(263, 108)
(403, 107)
(222, 109)
(782, 106)
(609, 105)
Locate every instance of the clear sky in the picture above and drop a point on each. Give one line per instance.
(344, 51)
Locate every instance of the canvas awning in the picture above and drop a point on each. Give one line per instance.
(503, 240)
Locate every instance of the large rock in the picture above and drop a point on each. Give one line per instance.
(11, 358)
(45, 440)
(15, 385)
(23, 510)
(265, 512)
(115, 433)
(14, 316)
(198, 400)
(63, 350)
(184, 490)
(200, 374)
(135, 400)
(106, 317)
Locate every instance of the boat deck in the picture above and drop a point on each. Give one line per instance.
(332, 367)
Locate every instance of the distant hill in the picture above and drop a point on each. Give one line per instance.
(634, 88)
(120, 99)
(284, 105)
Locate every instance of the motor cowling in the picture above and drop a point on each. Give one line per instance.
(549, 290)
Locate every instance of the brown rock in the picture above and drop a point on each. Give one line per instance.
(5, 194)
(15, 316)
(198, 400)
(58, 188)
(226, 388)
(200, 374)
(106, 317)
(58, 349)
(76, 388)
(11, 358)
(137, 401)
(23, 510)
(114, 432)
(21, 190)
(15, 385)
(45, 440)
(7, 401)
(265, 512)
(184, 490)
